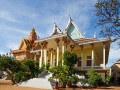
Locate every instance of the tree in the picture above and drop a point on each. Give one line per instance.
(19, 71)
(70, 59)
(66, 73)
(108, 13)
(9, 65)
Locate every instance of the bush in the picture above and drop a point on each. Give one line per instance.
(94, 78)
(74, 80)
(107, 79)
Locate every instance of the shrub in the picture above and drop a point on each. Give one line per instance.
(107, 79)
(94, 78)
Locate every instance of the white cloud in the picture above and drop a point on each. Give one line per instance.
(12, 30)
(114, 54)
(7, 16)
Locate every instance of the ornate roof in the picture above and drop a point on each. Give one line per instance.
(72, 30)
(56, 30)
(27, 44)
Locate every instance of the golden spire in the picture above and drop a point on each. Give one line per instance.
(33, 29)
(32, 36)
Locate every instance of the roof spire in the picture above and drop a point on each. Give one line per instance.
(55, 25)
(95, 35)
(56, 30)
(70, 16)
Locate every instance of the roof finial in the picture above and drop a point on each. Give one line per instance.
(70, 16)
(95, 35)
(55, 22)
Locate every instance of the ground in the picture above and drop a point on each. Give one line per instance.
(7, 85)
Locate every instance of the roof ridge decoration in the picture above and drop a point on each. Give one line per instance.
(56, 30)
(72, 30)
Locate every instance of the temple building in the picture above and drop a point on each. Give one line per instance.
(91, 52)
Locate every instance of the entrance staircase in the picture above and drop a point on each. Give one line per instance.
(40, 82)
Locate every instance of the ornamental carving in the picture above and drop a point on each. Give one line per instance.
(50, 49)
(72, 47)
(66, 41)
(57, 41)
(54, 51)
(44, 44)
(37, 46)
(92, 44)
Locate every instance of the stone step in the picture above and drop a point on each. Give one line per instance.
(41, 82)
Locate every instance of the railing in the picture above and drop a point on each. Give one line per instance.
(90, 67)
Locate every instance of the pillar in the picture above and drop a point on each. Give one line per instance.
(103, 55)
(54, 59)
(57, 55)
(51, 59)
(45, 56)
(40, 61)
(82, 61)
(92, 55)
(63, 50)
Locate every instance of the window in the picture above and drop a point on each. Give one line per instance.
(79, 62)
(89, 63)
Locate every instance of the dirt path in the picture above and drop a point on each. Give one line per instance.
(7, 85)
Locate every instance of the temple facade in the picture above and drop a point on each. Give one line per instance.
(91, 52)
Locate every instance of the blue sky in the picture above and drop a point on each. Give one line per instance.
(17, 17)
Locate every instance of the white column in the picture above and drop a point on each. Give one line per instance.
(51, 60)
(63, 50)
(103, 56)
(57, 55)
(92, 56)
(45, 56)
(40, 61)
(82, 61)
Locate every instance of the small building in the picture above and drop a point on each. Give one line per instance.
(91, 52)
(115, 72)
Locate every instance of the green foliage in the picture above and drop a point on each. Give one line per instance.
(31, 66)
(74, 79)
(70, 59)
(107, 79)
(20, 71)
(47, 66)
(94, 78)
(19, 77)
(9, 64)
(83, 81)
(66, 73)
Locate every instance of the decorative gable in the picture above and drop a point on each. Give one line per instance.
(73, 31)
(56, 30)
